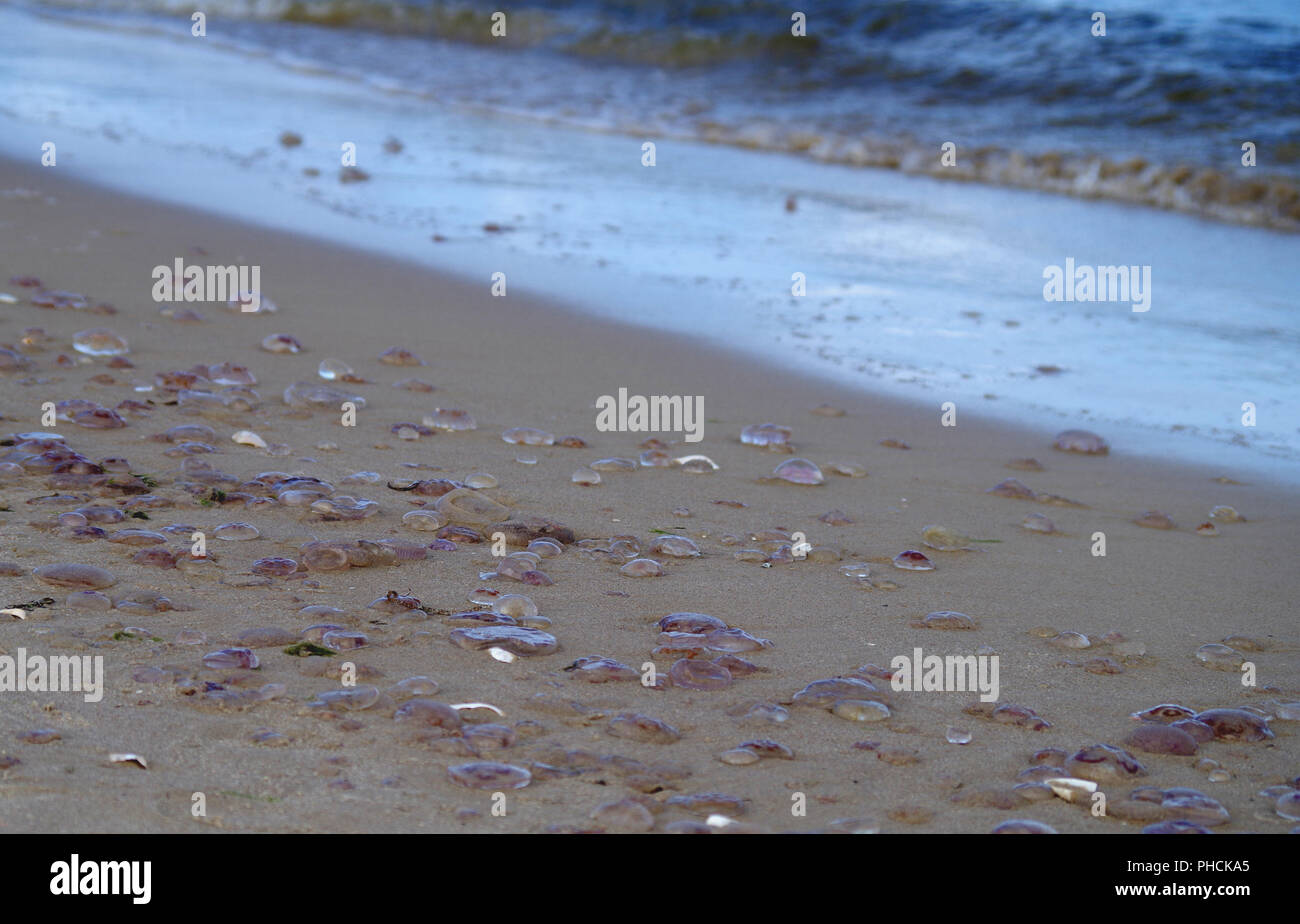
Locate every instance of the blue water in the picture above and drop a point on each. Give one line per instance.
(926, 289)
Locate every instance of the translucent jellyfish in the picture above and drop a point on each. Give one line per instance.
(602, 670)
(690, 622)
(766, 435)
(585, 476)
(1236, 724)
(478, 480)
(945, 539)
(694, 674)
(100, 341)
(226, 658)
(799, 471)
(517, 606)
(490, 775)
(351, 699)
(344, 507)
(1025, 465)
(1207, 529)
(642, 567)
(945, 619)
(450, 419)
(545, 548)
(826, 693)
(343, 640)
(1070, 639)
(310, 394)
(412, 687)
(847, 469)
(528, 436)
(1161, 739)
(1081, 441)
(1225, 514)
(281, 343)
(654, 458)
(1023, 826)
(912, 560)
(734, 640)
(465, 505)
(323, 556)
(231, 373)
(1220, 657)
(696, 464)
(1154, 519)
(397, 356)
(88, 600)
(236, 532)
(1038, 523)
(1013, 488)
(638, 727)
(1104, 763)
(515, 639)
(1165, 713)
(675, 547)
(860, 710)
(76, 576)
(99, 418)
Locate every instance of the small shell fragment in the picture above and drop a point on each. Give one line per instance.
(248, 438)
(1071, 789)
(127, 758)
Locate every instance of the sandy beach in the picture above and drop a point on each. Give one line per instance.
(277, 763)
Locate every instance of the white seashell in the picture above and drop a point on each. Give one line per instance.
(1070, 788)
(248, 438)
(682, 460)
(509, 657)
(460, 706)
(129, 759)
(15, 612)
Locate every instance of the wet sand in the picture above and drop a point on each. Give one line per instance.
(519, 361)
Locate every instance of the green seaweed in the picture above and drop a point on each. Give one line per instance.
(308, 649)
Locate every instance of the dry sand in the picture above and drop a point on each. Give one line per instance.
(519, 361)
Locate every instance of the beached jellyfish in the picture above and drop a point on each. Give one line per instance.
(518, 640)
(585, 476)
(444, 418)
(690, 622)
(624, 815)
(654, 458)
(642, 567)
(323, 556)
(479, 480)
(545, 548)
(675, 547)
(517, 606)
(1038, 523)
(465, 505)
(1013, 488)
(1023, 826)
(1154, 519)
(799, 471)
(397, 356)
(1165, 713)
(76, 576)
(945, 539)
(344, 507)
(100, 341)
(1236, 724)
(1225, 514)
(226, 658)
(282, 343)
(490, 775)
(98, 418)
(236, 532)
(1161, 739)
(695, 674)
(1104, 763)
(613, 465)
(945, 619)
(311, 394)
(860, 710)
(231, 373)
(1207, 529)
(602, 670)
(734, 640)
(638, 727)
(1288, 805)
(1220, 657)
(528, 436)
(1081, 441)
(696, 464)
(343, 640)
(826, 693)
(766, 435)
(912, 560)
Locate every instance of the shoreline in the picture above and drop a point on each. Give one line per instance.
(526, 361)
